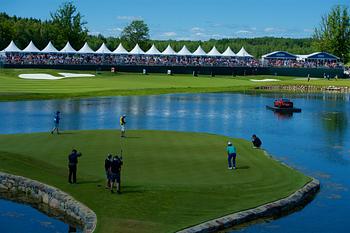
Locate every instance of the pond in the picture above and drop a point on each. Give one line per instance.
(315, 141)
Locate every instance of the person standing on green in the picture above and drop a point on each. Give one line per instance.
(231, 155)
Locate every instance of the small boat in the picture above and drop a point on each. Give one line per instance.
(283, 106)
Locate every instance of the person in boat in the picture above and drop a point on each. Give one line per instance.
(231, 155)
(256, 141)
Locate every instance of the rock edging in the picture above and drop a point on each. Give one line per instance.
(276, 208)
(51, 196)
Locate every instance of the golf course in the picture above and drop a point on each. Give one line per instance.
(170, 180)
(111, 84)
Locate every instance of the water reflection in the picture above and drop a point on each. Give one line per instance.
(316, 141)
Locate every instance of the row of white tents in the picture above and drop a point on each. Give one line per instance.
(169, 51)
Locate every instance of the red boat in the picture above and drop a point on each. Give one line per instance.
(283, 105)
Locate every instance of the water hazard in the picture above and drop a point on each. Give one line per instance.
(315, 141)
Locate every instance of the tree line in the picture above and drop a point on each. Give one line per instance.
(67, 24)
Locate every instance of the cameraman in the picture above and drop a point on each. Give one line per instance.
(115, 169)
(72, 165)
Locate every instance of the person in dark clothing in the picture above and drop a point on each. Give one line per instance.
(115, 169)
(72, 165)
(108, 163)
(256, 141)
(56, 121)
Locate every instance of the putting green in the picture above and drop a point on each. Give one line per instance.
(170, 180)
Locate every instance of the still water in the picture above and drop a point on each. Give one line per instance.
(315, 141)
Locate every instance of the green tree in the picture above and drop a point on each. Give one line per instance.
(137, 32)
(333, 33)
(69, 26)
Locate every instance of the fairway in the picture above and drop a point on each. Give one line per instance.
(110, 84)
(170, 180)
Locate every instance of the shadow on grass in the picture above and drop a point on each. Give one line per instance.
(243, 167)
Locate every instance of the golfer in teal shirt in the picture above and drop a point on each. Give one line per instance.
(231, 155)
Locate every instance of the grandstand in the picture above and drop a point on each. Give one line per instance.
(317, 64)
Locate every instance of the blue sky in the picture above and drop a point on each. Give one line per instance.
(190, 19)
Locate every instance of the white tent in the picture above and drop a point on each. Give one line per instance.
(137, 50)
(199, 52)
(153, 50)
(68, 49)
(120, 50)
(214, 52)
(49, 48)
(31, 48)
(169, 51)
(243, 53)
(12, 47)
(184, 51)
(103, 49)
(228, 53)
(86, 49)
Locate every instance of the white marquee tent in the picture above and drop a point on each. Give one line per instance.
(49, 48)
(103, 49)
(120, 50)
(31, 48)
(86, 49)
(184, 51)
(137, 50)
(228, 52)
(243, 53)
(169, 51)
(68, 49)
(12, 47)
(153, 50)
(199, 52)
(214, 52)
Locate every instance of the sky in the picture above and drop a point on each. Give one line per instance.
(190, 19)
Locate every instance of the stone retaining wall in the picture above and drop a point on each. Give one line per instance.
(51, 196)
(306, 88)
(274, 209)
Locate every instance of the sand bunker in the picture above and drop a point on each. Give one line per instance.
(51, 77)
(264, 80)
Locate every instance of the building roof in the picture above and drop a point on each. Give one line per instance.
(153, 50)
(169, 51)
(199, 52)
(243, 53)
(120, 50)
(31, 48)
(49, 48)
(12, 47)
(279, 55)
(137, 50)
(228, 52)
(86, 49)
(68, 49)
(184, 51)
(214, 52)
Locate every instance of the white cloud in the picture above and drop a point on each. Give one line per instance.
(129, 17)
(197, 29)
(199, 34)
(169, 34)
(270, 29)
(243, 32)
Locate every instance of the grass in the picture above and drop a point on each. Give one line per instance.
(170, 180)
(109, 84)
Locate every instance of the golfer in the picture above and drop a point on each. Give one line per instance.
(231, 155)
(72, 165)
(108, 163)
(122, 122)
(56, 121)
(115, 170)
(256, 141)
